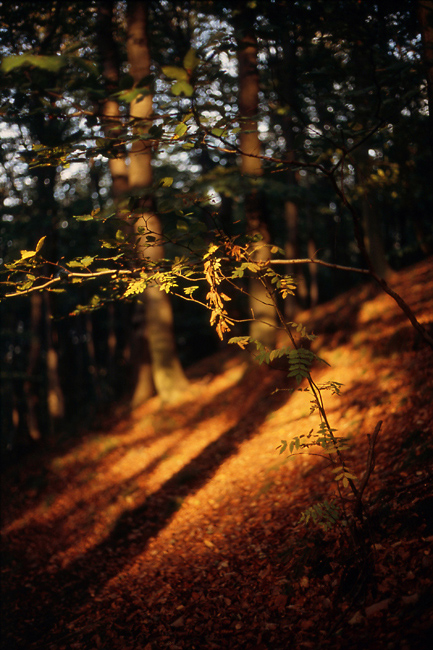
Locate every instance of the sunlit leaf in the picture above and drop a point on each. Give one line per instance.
(189, 290)
(87, 260)
(173, 72)
(218, 132)
(182, 87)
(40, 244)
(191, 61)
(180, 130)
(50, 63)
(25, 255)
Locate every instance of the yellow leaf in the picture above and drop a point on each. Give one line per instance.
(25, 255)
(173, 72)
(182, 87)
(190, 61)
(181, 129)
(40, 244)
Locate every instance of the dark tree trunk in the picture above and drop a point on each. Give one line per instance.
(263, 327)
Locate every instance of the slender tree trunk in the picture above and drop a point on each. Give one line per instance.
(31, 384)
(47, 208)
(168, 375)
(287, 75)
(263, 327)
(371, 219)
(142, 386)
(55, 399)
(373, 236)
(111, 117)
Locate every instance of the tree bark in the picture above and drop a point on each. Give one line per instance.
(31, 388)
(371, 219)
(168, 375)
(141, 387)
(287, 76)
(111, 117)
(263, 326)
(55, 398)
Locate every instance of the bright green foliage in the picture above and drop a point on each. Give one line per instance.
(50, 63)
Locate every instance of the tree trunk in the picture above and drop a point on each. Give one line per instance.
(168, 375)
(55, 399)
(371, 219)
(141, 387)
(287, 75)
(263, 327)
(373, 236)
(31, 384)
(47, 214)
(111, 117)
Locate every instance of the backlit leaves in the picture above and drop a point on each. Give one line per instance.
(50, 63)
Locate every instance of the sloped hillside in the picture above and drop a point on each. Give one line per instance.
(178, 527)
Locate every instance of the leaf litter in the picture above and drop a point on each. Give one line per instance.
(179, 526)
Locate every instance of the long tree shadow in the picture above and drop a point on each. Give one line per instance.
(66, 593)
(48, 483)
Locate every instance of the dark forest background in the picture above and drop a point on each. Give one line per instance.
(306, 123)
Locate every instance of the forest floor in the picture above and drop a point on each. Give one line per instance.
(178, 527)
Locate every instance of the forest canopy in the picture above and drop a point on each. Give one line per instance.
(164, 160)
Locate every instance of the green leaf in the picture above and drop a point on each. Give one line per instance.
(84, 217)
(129, 95)
(242, 341)
(182, 225)
(191, 60)
(86, 261)
(173, 72)
(50, 63)
(180, 130)
(182, 87)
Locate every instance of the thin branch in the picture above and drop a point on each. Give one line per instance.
(309, 260)
(89, 276)
(380, 281)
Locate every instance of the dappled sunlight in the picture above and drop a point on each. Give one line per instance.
(188, 517)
